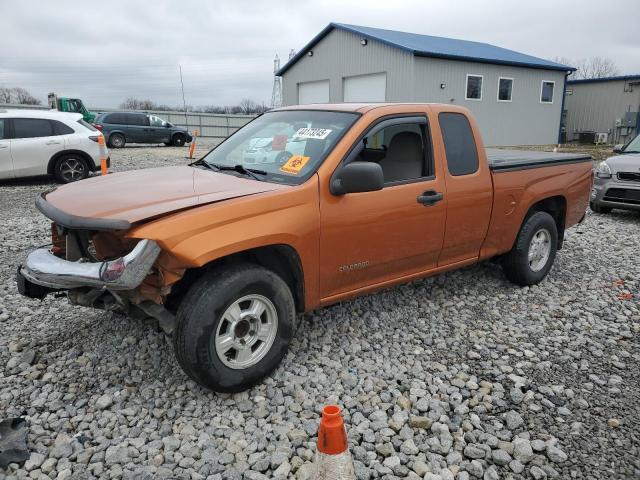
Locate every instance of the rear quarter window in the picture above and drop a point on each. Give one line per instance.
(459, 144)
(60, 128)
(87, 125)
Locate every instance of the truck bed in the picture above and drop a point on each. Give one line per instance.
(508, 160)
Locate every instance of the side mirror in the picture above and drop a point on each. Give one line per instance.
(167, 125)
(618, 148)
(357, 177)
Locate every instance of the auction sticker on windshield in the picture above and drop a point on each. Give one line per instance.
(295, 164)
(317, 133)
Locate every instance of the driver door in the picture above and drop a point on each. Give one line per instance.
(370, 239)
(158, 130)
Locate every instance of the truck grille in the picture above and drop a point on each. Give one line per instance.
(623, 195)
(629, 176)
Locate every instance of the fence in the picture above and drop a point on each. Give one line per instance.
(210, 125)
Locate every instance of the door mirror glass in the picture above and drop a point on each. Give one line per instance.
(358, 177)
(618, 148)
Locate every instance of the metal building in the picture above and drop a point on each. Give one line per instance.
(606, 106)
(516, 98)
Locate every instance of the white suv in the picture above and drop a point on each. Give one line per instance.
(41, 142)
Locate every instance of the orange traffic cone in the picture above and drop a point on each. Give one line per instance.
(333, 459)
(192, 147)
(103, 156)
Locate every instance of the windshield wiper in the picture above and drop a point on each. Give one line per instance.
(251, 172)
(203, 163)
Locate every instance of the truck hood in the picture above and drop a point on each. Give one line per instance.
(141, 194)
(624, 163)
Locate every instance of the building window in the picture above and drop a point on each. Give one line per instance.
(546, 91)
(505, 89)
(474, 87)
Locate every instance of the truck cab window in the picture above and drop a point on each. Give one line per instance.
(399, 149)
(459, 144)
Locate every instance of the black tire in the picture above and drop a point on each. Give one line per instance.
(199, 319)
(599, 208)
(178, 140)
(516, 263)
(70, 168)
(117, 140)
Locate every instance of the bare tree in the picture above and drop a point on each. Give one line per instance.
(5, 95)
(18, 96)
(597, 67)
(133, 103)
(23, 97)
(246, 106)
(593, 67)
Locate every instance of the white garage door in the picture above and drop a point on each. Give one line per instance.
(313, 92)
(365, 88)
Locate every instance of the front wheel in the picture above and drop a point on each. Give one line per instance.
(179, 140)
(532, 256)
(234, 327)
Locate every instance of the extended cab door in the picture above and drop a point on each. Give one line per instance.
(371, 238)
(469, 188)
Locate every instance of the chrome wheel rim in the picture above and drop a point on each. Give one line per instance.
(539, 249)
(246, 331)
(72, 169)
(117, 141)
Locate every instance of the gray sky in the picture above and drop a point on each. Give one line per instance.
(104, 52)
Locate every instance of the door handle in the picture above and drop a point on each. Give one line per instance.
(430, 197)
(52, 142)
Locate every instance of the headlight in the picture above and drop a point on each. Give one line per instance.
(603, 170)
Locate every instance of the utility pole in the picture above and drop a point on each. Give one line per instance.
(276, 94)
(184, 103)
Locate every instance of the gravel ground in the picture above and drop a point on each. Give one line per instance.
(460, 376)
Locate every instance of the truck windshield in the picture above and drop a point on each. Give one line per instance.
(633, 146)
(282, 147)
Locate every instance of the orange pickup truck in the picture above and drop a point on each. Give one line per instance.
(303, 207)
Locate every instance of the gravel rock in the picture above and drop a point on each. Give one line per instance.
(513, 420)
(460, 375)
(522, 450)
(555, 454)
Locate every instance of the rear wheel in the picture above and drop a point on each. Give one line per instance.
(116, 140)
(532, 256)
(179, 140)
(234, 327)
(599, 208)
(71, 168)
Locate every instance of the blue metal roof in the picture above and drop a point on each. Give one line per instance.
(438, 47)
(629, 78)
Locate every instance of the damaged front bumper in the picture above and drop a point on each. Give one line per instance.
(45, 270)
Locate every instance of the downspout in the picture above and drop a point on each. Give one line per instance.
(564, 95)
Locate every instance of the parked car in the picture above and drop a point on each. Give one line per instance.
(37, 142)
(633, 146)
(617, 182)
(121, 128)
(224, 255)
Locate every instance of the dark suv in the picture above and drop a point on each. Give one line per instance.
(122, 127)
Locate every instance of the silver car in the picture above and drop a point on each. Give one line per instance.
(617, 183)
